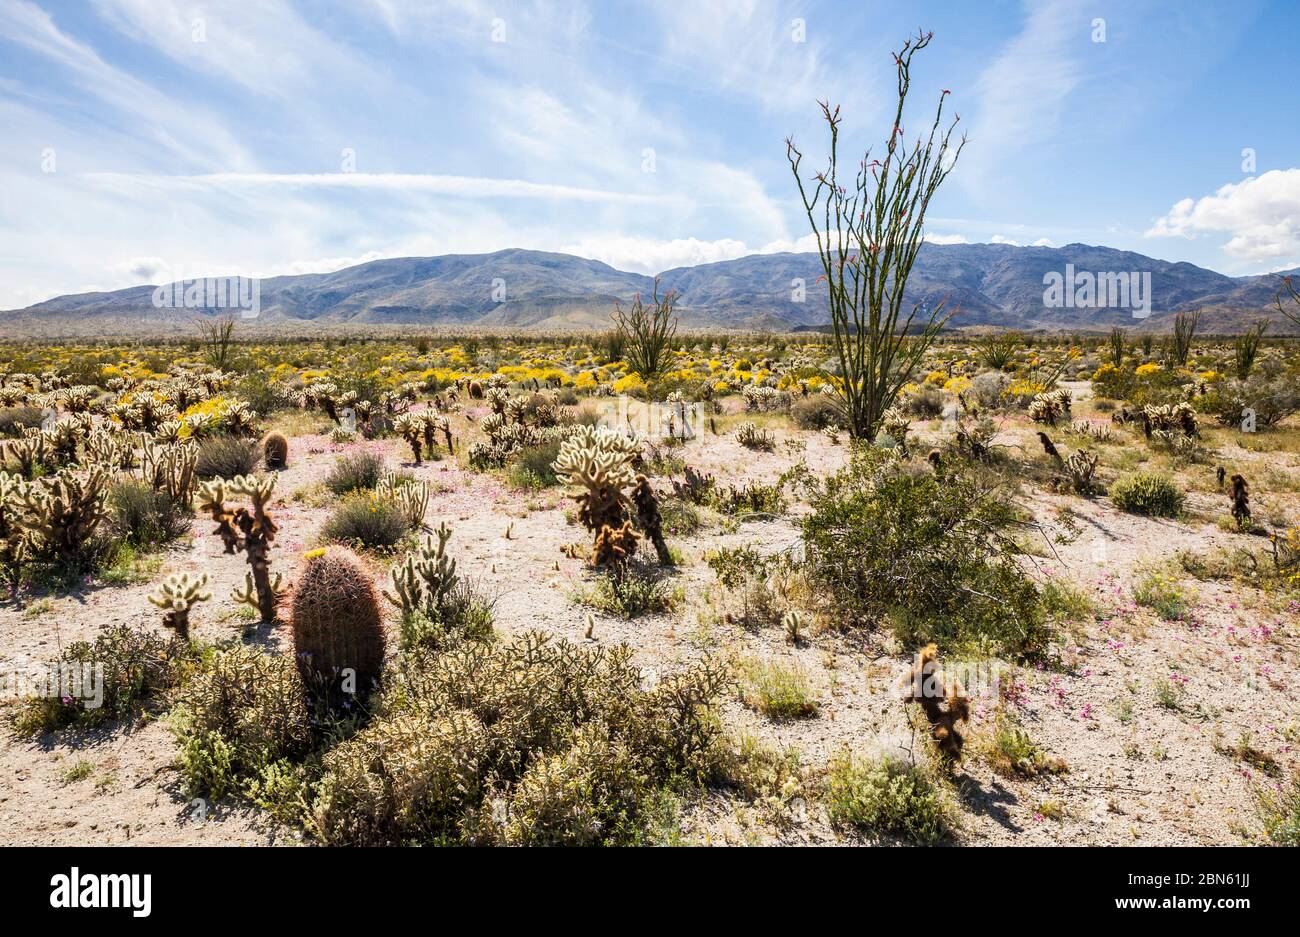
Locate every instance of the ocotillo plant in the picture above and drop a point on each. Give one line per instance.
(1185, 324)
(868, 236)
(249, 531)
(1246, 349)
(1117, 346)
(647, 331)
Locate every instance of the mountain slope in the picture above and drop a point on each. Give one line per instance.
(996, 285)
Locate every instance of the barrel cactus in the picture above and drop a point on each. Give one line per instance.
(276, 450)
(338, 637)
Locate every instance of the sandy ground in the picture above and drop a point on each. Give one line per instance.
(1139, 773)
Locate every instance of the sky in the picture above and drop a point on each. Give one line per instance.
(143, 141)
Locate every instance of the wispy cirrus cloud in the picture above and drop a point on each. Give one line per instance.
(190, 133)
(267, 47)
(1023, 95)
(396, 183)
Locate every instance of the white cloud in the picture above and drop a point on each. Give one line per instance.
(265, 47)
(465, 186)
(946, 238)
(1261, 214)
(750, 48)
(1024, 91)
(648, 255)
(1044, 242)
(187, 131)
(999, 239)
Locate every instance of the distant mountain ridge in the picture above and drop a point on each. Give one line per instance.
(987, 285)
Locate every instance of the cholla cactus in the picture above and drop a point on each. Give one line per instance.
(241, 420)
(249, 531)
(1080, 468)
(764, 399)
(201, 425)
(1050, 407)
(63, 440)
(64, 512)
(647, 514)
(176, 596)
(792, 622)
(1098, 431)
(114, 451)
(170, 469)
(410, 494)
(601, 461)
(15, 540)
(411, 428)
(30, 452)
(751, 437)
(432, 426)
(425, 579)
(614, 546)
(78, 399)
(1169, 418)
(896, 425)
(154, 414)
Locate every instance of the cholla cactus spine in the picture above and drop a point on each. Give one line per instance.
(176, 596)
(410, 494)
(64, 512)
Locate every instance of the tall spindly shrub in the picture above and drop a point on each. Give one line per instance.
(869, 232)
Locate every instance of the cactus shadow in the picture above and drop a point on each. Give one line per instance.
(991, 800)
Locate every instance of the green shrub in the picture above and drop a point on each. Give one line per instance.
(1163, 596)
(815, 412)
(361, 519)
(13, 420)
(465, 616)
(630, 593)
(1015, 753)
(925, 402)
(733, 565)
(751, 498)
(241, 716)
(777, 690)
(886, 797)
(1147, 493)
(144, 517)
(1279, 810)
(355, 471)
(533, 467)
(927, 555)
(679, 518)
(137, 666)
(226, 457)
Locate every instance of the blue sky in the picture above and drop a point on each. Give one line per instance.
(142, 140)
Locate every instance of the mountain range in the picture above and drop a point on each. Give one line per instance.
(985, 285)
